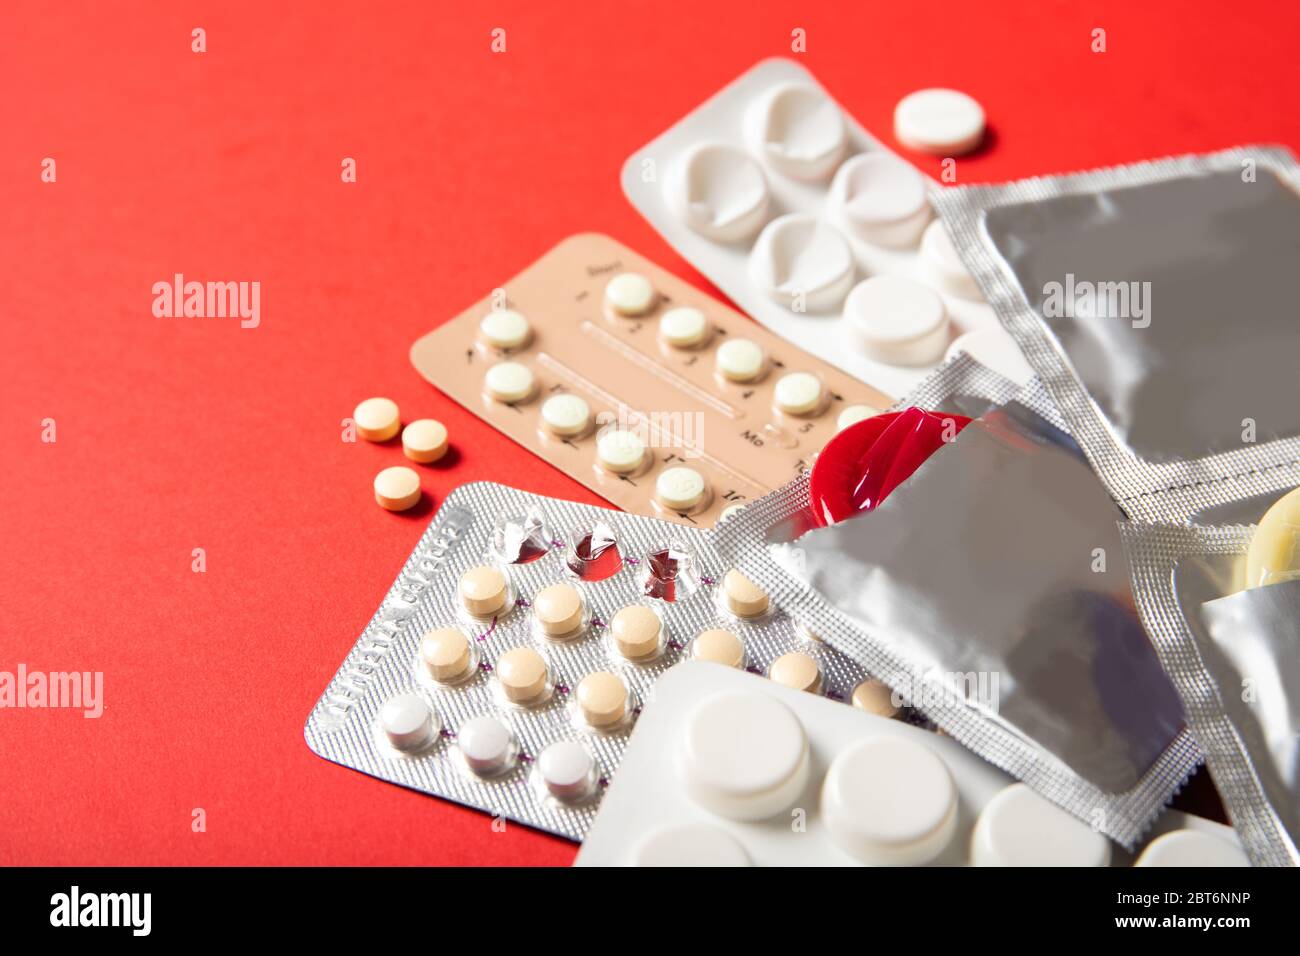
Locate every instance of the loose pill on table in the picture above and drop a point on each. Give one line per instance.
(798, 671)
(798, 393)
(602, 698)
(1192, 848)
(630, 294)
(718, 191)
(889, 801)
(620, 451)
(744, 756)
(566, 415)
(522, 675)
(510, 382)
(1020, 828)
(408, 721)
(744, 598)
(1274, 552)
(424, 440)
(446, 654)
(690, 844)
(852, 414)
(558, 609)
(487, 745)
(874, 697)
(719, 646)
(740, 360)
(681, 488)
(939, 121)
(567, 770)
(683, 327)
(483, 591)
(897, 320)
(377, 419)
(397, 488)
(636, 630)
(505, 329)
(882, 200)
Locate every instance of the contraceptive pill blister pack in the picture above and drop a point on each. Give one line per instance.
(789, 206)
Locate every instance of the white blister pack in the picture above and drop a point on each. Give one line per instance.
(729, 770)
(814, 228)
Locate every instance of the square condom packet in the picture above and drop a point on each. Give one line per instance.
(1157, 304)
(991, 591)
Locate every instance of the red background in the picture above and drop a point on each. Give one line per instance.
(185, 433)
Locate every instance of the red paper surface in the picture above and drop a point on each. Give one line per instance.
(175, 434)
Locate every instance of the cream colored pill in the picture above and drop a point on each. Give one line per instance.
(566, 415)
(483, 591)
(397, 488)
(719, 646)
(522, 675)
(798, 671)
(744, 598)
(852, 414)
(636, 630)
(602, 698)
(740, 360)
(1191, 848)
(874, 697)
(510, 382)
(377, 419)
(680, 488)
(558, 609)
(620, 451)
(408, 721)
(424, 440)
(684, 327)
(630, 293)
(798, 393)
(505, 329)
(1274, 552)
(445, 653)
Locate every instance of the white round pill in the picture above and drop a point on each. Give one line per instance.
(408, 721)
(993, 348)
(798, 131)
(487, 745)
(566, 769)
(620, 451)
(897, 320)
(802, 263)
(1191, 848)
(943, 263)
(740, 360)
(744, 756)
(889, 801)
(718, 191)
(566, 414)
(798, 393)
(630, 293)
(684, 327)
(509, 382)
(852, 414)
(1020, 828)
(882, 200)
(505, 329)
(730, 511)
(690, 844)
(939, 121)
(680, 489)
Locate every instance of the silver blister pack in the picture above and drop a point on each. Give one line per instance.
(486, 523)
(991, 591)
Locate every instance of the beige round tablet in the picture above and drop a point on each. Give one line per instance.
(681, 489)
(852, 414)
(505, 329)
(740, 360)
(566, 415)
(875, 697)
(630, 293)
(602, 698)
(744, 598)
(636, 630)
(620, 451)
(718, 646)
(377, 419)
(684, 327)
(510, 382)
(798, 393)
(558, 609)
(424, 440)
(483, 591)
(796, 670)
(522, 675)
(397, 488)
(446, 654)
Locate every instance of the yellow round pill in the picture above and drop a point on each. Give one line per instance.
(397, 488)
(522, 675)
(377, 419)
(636, 631)
(719, 646)
(483, 591)
(1274, 552)
(424, 440)
(558, 609)
(744, 598)
(445, 653)
(875, 697)
(796, 670)
(602, 697)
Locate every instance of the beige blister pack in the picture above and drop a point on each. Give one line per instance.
(651, 393)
